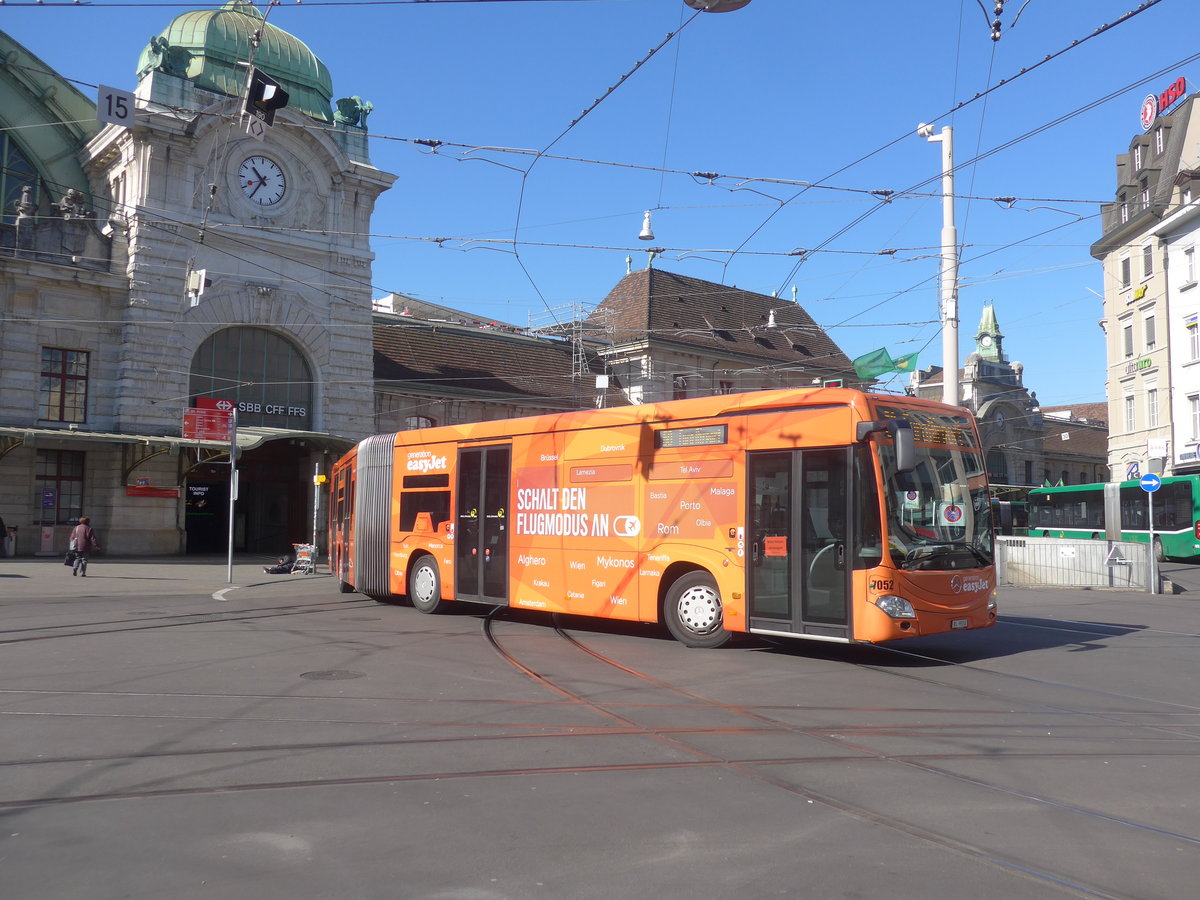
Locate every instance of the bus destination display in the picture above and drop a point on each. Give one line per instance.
(930, 428)
(701, 436)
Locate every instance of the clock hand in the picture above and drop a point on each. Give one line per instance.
(258, 173)
(257, 185)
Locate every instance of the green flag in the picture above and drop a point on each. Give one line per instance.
(906, 363)
(873, 364)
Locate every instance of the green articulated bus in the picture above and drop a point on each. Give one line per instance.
(1010, 517)
(1120, 511)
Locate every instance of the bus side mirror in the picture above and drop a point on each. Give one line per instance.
(901, 434)
(906, 448)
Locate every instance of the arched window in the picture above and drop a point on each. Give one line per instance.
(16, 171)
(997, 467)
(262, 372)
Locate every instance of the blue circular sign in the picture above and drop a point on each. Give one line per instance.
(1151, 483)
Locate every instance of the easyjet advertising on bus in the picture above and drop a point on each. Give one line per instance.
(575, 545)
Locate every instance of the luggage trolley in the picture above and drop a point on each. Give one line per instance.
(306, 559)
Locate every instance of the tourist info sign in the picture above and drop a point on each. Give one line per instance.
(207, 424)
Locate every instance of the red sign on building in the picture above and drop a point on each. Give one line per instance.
(1156, 105)
(213, 403)
(207, 424)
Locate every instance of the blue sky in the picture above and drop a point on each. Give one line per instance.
(770, 97)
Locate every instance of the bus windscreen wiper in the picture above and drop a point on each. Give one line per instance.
(923, 557)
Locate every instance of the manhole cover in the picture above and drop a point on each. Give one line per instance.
(331, 675)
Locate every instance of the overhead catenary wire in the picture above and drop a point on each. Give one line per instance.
(569, 245)
(334, 295)
(176, 222)
(1074, 44)
(520, 203)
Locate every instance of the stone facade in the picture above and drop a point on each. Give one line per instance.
(1147, 233)
(157, 254)
(1023, 444)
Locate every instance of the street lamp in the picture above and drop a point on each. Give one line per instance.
(949, 271)
(716, 5)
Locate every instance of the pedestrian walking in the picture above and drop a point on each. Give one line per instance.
(83, 542)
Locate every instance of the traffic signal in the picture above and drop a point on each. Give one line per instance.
(263, 97)
(197, 282)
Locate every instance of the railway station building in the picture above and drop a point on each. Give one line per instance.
(131, 292)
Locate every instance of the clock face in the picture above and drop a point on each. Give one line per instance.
(262, 181)
(986, 340)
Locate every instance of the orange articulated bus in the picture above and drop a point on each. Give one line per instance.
(826, 513)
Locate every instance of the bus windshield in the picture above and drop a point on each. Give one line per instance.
(939, 514)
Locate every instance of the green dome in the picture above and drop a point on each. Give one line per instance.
(206, 46)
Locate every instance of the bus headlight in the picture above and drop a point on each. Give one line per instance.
(896, 607)
(992, 602)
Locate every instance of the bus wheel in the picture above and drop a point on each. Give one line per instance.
(693, 611)
(425, 585)
(1158, 550)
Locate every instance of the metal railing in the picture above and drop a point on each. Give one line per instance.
(1056, 562)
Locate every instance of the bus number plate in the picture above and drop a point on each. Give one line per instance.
(959, 623)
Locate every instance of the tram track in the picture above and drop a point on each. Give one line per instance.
(1096, 629)
(621, 719)
(945, 841)
(173, 620)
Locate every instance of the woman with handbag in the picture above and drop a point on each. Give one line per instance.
(83, 542)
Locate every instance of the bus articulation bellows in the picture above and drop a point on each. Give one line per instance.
(826, 513)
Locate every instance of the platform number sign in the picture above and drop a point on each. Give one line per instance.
(115, 106)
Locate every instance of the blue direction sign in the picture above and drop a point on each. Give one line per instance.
(1151, 483)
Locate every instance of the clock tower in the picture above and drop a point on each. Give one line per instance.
(248, 258)
(988, 339)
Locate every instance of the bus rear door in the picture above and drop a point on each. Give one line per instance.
(799, 545)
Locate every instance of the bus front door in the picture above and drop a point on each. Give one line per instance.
(798, 541)
(481, 525)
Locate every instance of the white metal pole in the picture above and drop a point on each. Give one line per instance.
(232, 494)
(1153, 555)
(949, 275)
(316, 510)
(949, 270)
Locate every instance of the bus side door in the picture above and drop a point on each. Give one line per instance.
(799, 541)
(481, 524)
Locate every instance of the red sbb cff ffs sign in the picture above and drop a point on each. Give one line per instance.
(248, 406)
(1156, 104)
(210, 403)
(207, 424)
